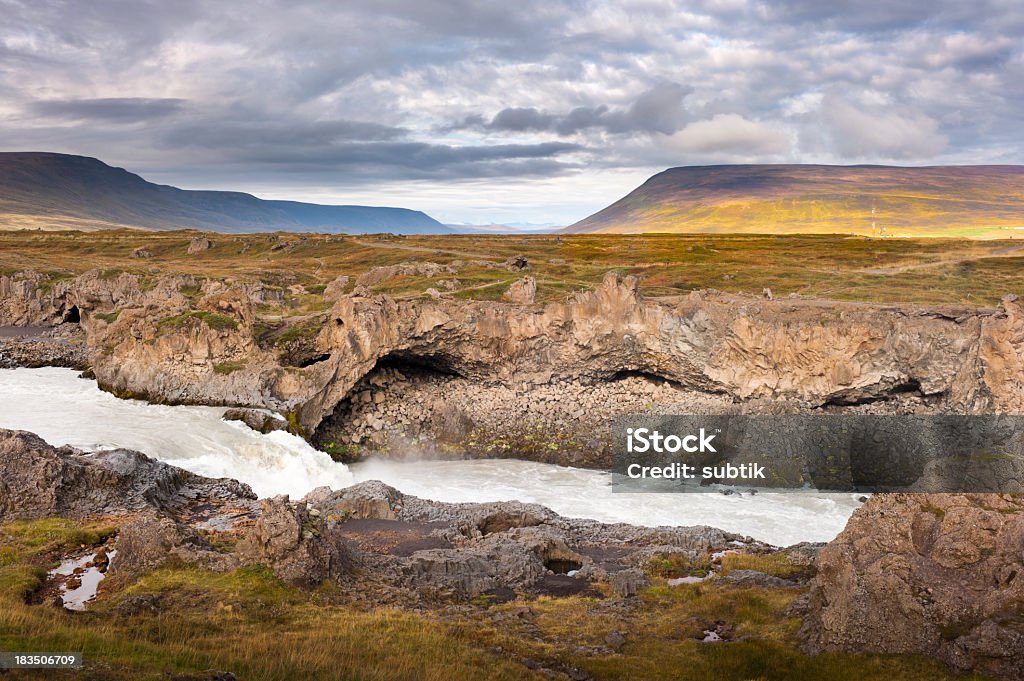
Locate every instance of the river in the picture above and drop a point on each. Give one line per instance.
(64, 409)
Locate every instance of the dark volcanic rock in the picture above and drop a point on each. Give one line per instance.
(939, 575)
(38, 480)
(482, 547)
(149, 541)
(256, 419)
(754, 578)
(288, 540)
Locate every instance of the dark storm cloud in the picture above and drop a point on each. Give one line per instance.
(405, 159)
(244, 133)
(109, 109)
(659, 109)
(358, 92)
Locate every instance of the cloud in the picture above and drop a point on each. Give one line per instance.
(659, 109)
(880, 132)
(222, 132)
(109, 109)
(729, 134)
(455, 97)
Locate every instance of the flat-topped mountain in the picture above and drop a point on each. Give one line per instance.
(961, 201)
(60, 191)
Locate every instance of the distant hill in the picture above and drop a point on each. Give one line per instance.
(964, 201)
(509, 228)
(59, 191)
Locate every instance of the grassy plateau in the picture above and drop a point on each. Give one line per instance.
(929, 271)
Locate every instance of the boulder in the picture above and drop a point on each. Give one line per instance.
(289, 540)
(199, 244)
(371, 499)
(939, 575)
(517, 263)
(149, 541)
(257, 419)
(626, 583)
(522, 291)
(38, 480)
(451, 423)
(336, 288)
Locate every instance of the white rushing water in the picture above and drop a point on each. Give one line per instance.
(64, 409)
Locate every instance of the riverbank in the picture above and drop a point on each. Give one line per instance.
(209, 583)
(43, 346)
(66, 409)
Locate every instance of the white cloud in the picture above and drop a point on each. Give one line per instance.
(880, 132)
(317, 93)
(729, 134)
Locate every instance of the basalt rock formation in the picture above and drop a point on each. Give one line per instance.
(178, 339)
(37, 481)
(933, 574)
(402, 543)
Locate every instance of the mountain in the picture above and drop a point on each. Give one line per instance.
(965, 201)
(504, 228)
(77, 192)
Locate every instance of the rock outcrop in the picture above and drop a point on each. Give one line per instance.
(37, 481)
(261, 421)
(168, 516)
(287, 538)
(522, 291)
(199, 244)
(940, 575)
(201, 347)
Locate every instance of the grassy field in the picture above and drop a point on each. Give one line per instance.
(249, 623)
(929, 271)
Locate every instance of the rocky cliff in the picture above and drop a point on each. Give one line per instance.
(934, 574)
(178, 339)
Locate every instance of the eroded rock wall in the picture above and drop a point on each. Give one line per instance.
(200, 347)
(934, 574)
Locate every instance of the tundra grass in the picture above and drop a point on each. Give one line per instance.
(851, 268)
(181, 620)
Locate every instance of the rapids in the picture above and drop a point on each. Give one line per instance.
(64, 409)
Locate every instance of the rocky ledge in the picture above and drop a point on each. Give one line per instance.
(938, 575)
(402, 544)
(540, 381)
(61, 346)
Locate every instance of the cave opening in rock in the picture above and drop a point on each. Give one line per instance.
(562, 566)
(366, 412)
(909, 387)
(645, 375)
(312, 359)
(412, 364)
(73, 316)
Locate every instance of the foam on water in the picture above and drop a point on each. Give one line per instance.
(64, 409)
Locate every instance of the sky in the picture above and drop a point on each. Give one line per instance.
(475, 111)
